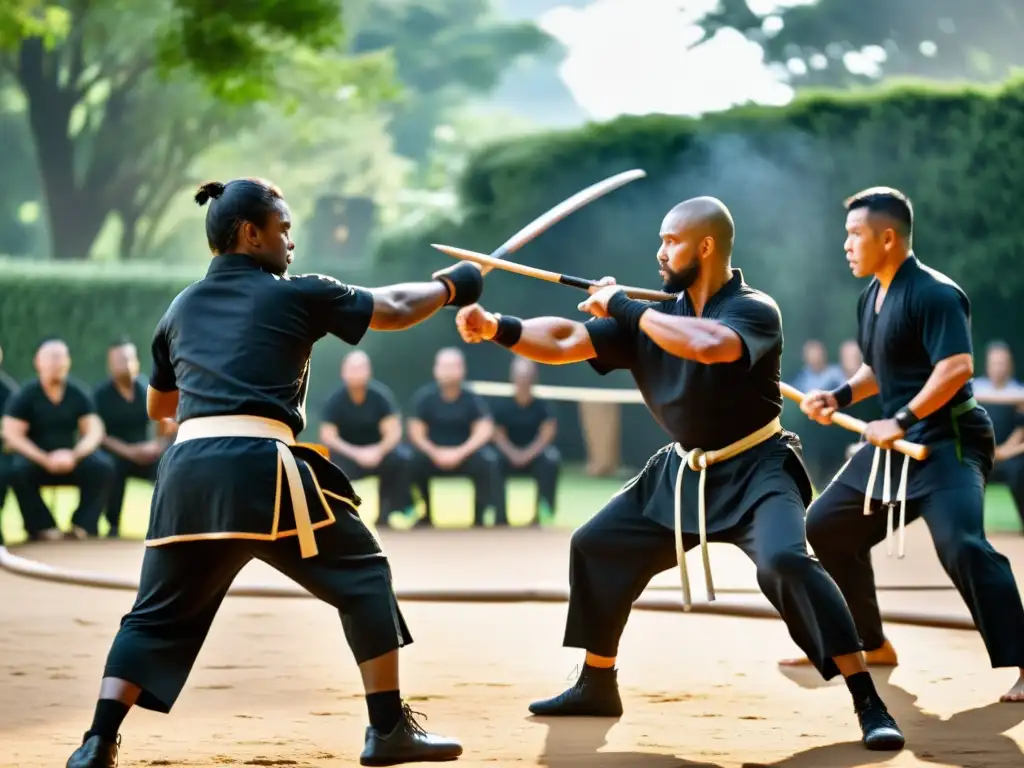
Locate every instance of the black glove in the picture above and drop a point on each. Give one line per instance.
(465, 283)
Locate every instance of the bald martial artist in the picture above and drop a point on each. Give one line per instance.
(707, 364)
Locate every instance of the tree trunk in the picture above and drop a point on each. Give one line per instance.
(75, 215)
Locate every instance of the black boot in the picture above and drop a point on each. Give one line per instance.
(879, 728)
(95, 752)
(594, 694)
(407, 743)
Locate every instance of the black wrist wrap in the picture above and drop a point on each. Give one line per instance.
(510, 329)
(465, 284)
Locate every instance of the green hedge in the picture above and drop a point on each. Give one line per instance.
(87, 305)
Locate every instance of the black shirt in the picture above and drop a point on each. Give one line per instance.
(1005, 419)
(449, 424)
(360, 424)
(710, 406)
(8, 387)
(924, 319)
(522, 423)
(52, 426)
(126, 420)
(238, 342)
(704, 406)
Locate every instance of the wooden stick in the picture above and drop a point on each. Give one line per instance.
(489, 262)
(563, 209)
(913, 450)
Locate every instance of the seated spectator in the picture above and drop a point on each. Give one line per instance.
(362, 429)
(8, 387)
(52, 428)
(524, 434)
(1003, 398)
(451, 429)
(121, 405)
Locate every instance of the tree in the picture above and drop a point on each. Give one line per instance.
(120, 97)
(842, 43)
(444, 54)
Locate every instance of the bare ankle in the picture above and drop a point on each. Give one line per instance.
(381, 673)
(600, 662)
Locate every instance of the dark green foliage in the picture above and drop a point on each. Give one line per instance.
(88, 308)
(976, 40)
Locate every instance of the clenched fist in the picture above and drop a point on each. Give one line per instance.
(476, 324)
(819, 406)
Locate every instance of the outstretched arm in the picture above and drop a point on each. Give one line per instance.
(549, 340)
(347, 311)
(397, 307)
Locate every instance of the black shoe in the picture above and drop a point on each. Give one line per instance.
(594, 694)
(407, 743)
(879, 728)
(95, 752)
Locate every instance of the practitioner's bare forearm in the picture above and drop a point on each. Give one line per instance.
(401, 306)
(863, 383)
(948, 377)
(691, 338)
(554, 341)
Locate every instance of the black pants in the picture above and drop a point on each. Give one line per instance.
(544, 470)
(482, 467)
(842, 537)
(615, 555)
(92, 476)
(182, 586)
(394, 480)
(124, 469)
(1011, 472)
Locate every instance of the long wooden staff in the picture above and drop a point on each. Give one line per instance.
(489, 262)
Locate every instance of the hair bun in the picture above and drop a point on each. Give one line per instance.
(211, 190)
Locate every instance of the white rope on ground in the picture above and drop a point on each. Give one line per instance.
(33, 569)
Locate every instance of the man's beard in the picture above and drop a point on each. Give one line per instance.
(677, 282)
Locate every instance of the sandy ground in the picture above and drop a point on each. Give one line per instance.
(276, 684)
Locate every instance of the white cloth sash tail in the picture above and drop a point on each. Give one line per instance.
(887, 500)
(699, 461)
(255, 426)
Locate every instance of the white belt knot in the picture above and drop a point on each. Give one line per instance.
(699, 460)
(887, 500)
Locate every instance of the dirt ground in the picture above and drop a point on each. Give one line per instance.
(276, 684)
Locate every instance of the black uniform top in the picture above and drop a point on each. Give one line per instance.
(51, 426)
(8, 387)
(238, 342)
(924, 318)
(522, 423)
(360, 424)
(126, 420)
(449, 424)
(711, 406)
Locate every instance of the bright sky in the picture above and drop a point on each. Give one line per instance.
(629, 57)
